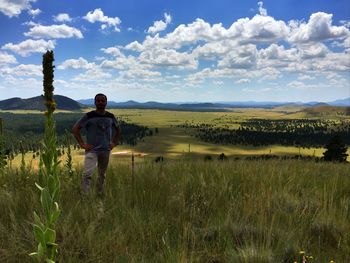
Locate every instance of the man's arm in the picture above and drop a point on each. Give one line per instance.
(116, 137)
(77, 135)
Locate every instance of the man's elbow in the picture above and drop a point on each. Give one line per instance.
(75, 129)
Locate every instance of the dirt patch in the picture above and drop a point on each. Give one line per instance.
(129, 153)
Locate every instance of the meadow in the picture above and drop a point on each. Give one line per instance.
(186, 209)
(189, 211)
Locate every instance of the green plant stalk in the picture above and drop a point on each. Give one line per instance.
(69, 161)
(44, 222)
(2, 149)
(23, 163)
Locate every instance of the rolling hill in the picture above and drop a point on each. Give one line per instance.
(37, 103)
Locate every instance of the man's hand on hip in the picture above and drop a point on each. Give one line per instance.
(87, 146)
(112, 145)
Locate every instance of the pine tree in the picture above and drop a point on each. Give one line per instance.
(336, 150)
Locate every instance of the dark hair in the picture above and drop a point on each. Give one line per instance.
(100, 94)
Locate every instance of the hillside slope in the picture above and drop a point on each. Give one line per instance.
(37, 103)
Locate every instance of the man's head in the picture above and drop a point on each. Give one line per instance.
(100, 101)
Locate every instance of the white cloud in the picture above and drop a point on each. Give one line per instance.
(212, 50)
(243, 81)
(263, 90)
(259, 29)
(218, 82)
(345, 23)
(95, 74)
(98, 16)
(268, 73)
(262, 10)
(114, 51)
(305, 77)
(317, 50)
(168, 57)
(62, 17)
(135, 46)
(140, 74)
(6, 58)
(318, 28)
(296, 84)
(34, 12)
(244, 57)
(14, 8)
(80, 63)
(30, 46)
(160, 25)
(182, 35)
(54, 31)
(276, 52)
(22, 70)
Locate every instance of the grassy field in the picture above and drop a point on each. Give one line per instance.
(189, 211)
(175, 142)
(185, 209)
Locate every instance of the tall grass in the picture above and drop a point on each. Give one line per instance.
(191, 211)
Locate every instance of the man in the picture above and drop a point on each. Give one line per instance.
(102, 134)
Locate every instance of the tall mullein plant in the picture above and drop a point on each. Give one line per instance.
(49, 185)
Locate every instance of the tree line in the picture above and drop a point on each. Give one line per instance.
(261, 132)
(24, 132)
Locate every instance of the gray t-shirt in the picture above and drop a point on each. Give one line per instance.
(98, 129)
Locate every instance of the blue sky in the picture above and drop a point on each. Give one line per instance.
(178, 51)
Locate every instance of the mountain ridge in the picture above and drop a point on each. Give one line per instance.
(66, 103)
(37, 103)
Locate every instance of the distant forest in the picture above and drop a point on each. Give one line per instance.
(259, 132)
(24, 132)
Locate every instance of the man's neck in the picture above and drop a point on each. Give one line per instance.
(99, 111)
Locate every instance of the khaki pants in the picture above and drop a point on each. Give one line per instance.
(93, 159)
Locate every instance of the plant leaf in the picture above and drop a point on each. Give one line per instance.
(39, 234)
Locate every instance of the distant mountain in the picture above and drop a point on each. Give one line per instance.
(201, 106)
(322, 109)
(37, 103)
(344, 102)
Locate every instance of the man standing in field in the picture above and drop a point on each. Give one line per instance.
(102, 134)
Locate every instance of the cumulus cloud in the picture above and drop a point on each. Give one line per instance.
(168, 57)
(243, 81)
(30, 46)
(114, 51)
(318, 28)
(262, 10)
(259, 29)
(7, 58)
(160, 25)
(140, 74)
(94, 74)
(305, 77)
(62, 17)
(296, 84)
(34, 12)
(212, 50)
(277, 52)
(79, 63)
(14, 8)
(245, 57)
(317, 50)
(135, 46)
(98, 16)
(22, 70)
(54, 31)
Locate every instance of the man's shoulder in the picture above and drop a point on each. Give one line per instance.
(109, 114)
(94, 114)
